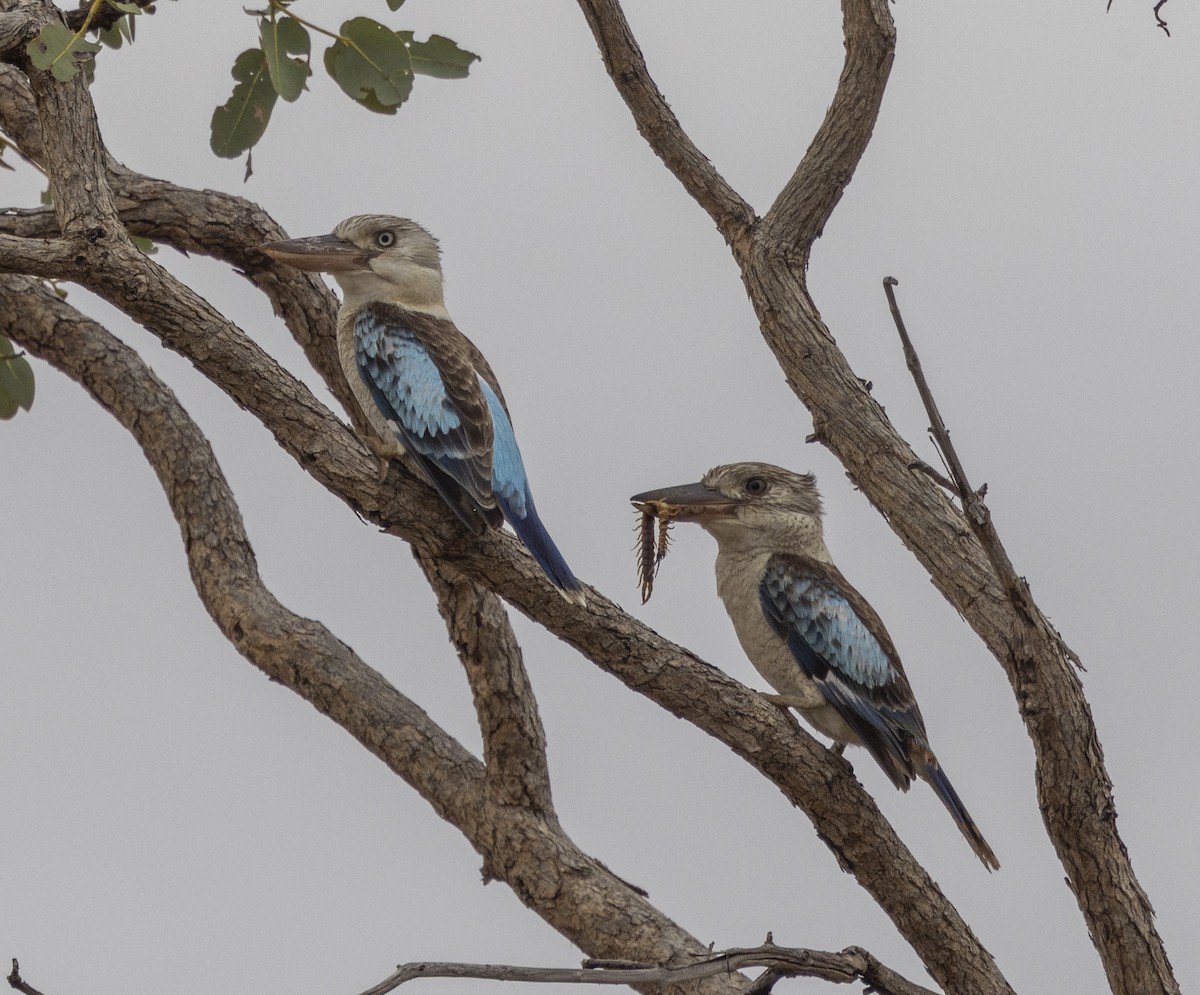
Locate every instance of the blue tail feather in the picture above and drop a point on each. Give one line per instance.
(932, 773)
(532, 533)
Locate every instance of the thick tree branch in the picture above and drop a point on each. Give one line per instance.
(297, 652)
(15, 30)
(201, 222)
(514, 742)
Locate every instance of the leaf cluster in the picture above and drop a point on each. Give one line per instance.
(373, 64)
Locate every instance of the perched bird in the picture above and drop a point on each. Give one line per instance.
(423, 386)
(810, 634)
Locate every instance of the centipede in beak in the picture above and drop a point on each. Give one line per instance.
(652, 545)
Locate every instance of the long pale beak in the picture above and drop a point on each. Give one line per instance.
(685, 503)
(318, 254)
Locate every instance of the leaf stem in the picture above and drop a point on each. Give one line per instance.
(91, 14)
(276, 6)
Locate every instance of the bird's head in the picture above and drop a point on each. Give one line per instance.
(745, 504)
(373, 257)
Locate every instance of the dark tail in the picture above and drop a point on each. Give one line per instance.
(931, 772)
(537, 540)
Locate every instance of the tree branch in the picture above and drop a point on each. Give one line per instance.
(514, 742)
(1074, 790)
(20, 984)
(851, 964)
(798, 216)
(656, 122)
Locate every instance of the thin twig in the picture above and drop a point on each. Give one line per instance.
(937, 427)
(19, 983)
(974, 509)
(933, 474)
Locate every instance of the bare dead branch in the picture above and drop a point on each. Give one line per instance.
(975, 509)
(20, 984)
(850, 965)
(1158, 17)
(1070, 766)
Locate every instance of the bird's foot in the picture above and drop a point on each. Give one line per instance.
(383, 451)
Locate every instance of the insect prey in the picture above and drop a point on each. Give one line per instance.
(652, 545)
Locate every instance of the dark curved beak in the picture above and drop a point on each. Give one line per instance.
(686, 503)
(318, 254)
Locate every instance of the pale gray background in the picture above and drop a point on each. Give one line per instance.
(171, 821)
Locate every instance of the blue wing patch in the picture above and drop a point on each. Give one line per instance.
(425, 377)
(511, 488)
(827, 626)
(406, 385)
(427, 389)
(509, 482)
(835, 647)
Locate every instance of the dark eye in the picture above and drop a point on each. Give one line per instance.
(756, 485)
(385, 239)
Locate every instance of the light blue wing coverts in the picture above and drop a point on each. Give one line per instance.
(445, 406)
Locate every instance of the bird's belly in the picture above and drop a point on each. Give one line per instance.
(774, 661)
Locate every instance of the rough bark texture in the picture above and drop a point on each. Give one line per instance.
(503, 804)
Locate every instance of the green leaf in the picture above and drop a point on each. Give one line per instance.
(120, 32)
(58, 49)
(145, 245)
(394, 4)
(16, 381)
(283, 37)
(111, 36)
(438, 57)
(370, 62)
(125, 8)
(240, 122)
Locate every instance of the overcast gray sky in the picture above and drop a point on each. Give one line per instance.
(171, 821)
